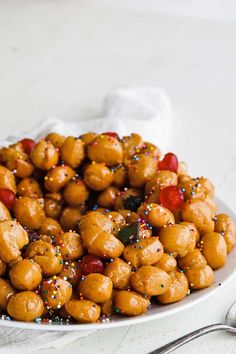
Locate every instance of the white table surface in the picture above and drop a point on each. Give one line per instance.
(62, 57)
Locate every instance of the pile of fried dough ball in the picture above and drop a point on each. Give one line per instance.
(98, 225)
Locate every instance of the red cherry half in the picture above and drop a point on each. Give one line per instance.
(7, 197)
(169, 162)
(172, 198)
(112, 134)
(28, 145)
(91, 264)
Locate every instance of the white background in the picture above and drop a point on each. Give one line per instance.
(61, 57)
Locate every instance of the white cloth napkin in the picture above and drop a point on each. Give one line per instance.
(143, 110)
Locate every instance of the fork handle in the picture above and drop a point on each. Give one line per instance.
(190, 336)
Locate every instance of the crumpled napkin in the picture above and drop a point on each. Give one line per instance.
(144, 110)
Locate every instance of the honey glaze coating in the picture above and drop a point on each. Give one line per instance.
(97, 225)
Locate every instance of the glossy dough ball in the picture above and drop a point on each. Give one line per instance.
(29, 187)
(200, 278)
(56, 292)
(150, 281)
(13, 238)
(105, 149)
(83, 311)
(177, 290)
(46, 255)
(25, 306)
(214, 249)
(44, 155)
(70, 245)
(156, 215)
(29, 212)
(141, 170)
(76, 193)
(167, 263)
(26, 275)
(119, 272)
(97, 176)
(146, 252)
(50, 227)
(175, 239)
(58, 178)
(130, 303)
(72, 151)
(198, 213)
(96, 287)
(70, 218)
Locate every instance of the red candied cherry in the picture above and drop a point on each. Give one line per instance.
(7, 197)
(112, 134)
(172, 198)
(28, 145)
(91, 264)
(169, 162)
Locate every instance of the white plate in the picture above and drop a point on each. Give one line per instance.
(222, 276)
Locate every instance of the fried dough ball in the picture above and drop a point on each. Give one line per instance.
(97, 176)
(200, 278)
(130, 303)
(56, 292)
(167, 263)
(29, 212)
(83, 311)
(88, 137)
(214, 249)
(194, 259)
(29, 187)
(131, 145)
(53, 205)
(58, 177)
(72, 151)
(70, 244)
(150, 281)
(146, 252)
(76, 193)
(197, 212)
(120, 176)
(56, 139)
(96, 287)
(177, 290)
(16, 160)
(141, 170)
(70, 218)
(13, 238)
(156, 215)
(44, 155)
(107, 197)
(105, 149)
(119, 272)
(50, 227)
(96, 232)
(25, 306)
(46, 255)
(71, 272)
(26, 275)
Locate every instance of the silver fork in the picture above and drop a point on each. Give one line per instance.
(229, 325)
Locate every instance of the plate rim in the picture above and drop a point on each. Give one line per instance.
(129, 320)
